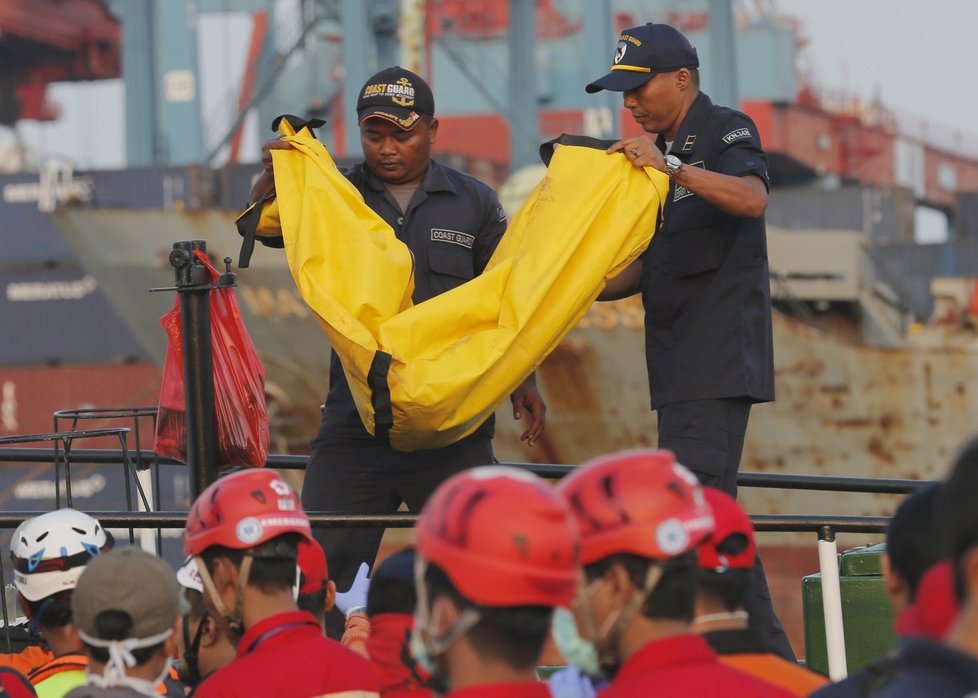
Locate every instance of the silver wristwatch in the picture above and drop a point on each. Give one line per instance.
(673, 166)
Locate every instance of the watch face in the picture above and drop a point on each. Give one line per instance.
(673, 161)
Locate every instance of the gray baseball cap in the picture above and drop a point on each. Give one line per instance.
(133, 582)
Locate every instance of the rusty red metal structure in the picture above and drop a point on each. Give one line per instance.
(45, 41)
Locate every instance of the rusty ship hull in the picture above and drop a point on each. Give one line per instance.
(842, 408)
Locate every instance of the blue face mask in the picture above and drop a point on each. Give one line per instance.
(419, 650)
(575, 649)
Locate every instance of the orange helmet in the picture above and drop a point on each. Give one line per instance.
(242, 510)
(641, 502)
(502, 536)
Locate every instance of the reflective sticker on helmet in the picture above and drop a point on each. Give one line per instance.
(280, 487)
(489, 472)
(34, 560)
(700, 524)
(286, 504)
(248, 530)
(671, 537)
(685, 474)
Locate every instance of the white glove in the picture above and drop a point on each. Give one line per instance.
(571, 682)
(354, 599)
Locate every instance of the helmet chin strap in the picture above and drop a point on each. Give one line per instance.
(652, 577)
(468, 618)
(616, 622)
(236, 622)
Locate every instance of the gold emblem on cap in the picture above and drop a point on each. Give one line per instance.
(406, 99)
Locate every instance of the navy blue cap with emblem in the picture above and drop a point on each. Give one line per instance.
(643, 52)
(397, 95)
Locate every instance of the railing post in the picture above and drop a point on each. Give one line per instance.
(835, 641)
(193, 286)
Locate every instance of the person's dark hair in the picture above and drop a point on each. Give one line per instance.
(315, 603)
(391, 587)
(694, 74)
(55, 614)
(730, 586)
(672, 598)
(914, 536)
(195, 599)
(514, 635)
(115, 625)
(959, 513)
(273, 568)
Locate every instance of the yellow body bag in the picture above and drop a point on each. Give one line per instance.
(424, 376)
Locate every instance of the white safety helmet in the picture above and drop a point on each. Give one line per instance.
(49, 552)
(189, 576)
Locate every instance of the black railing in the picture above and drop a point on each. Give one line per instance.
(762, 522)
(130, 459)
(177, 519)
(550, 471)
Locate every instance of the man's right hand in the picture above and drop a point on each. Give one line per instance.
(265, 184)
(627, 283)
(266, 152)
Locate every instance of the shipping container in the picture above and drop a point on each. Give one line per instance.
(60, 316)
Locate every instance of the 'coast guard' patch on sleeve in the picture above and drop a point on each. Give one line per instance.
(452, 236)
(736, 135)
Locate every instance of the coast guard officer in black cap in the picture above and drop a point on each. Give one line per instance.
(704, 279)
(452, 223)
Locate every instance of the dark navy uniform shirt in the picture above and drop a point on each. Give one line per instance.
(920, 668)
(705, 282)
(452, 226)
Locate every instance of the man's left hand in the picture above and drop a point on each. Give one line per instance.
(641, 152)
(528, 400)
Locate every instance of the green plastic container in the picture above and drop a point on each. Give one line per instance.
(867, 616)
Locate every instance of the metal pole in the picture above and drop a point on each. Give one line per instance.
(524, 124)
(359, 63)
(412, 35)
(383, 24)
(603, 115)
(835, 641)
(723, 59)
(193, 284)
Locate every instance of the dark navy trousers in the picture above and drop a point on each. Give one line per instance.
(350, 475)
(707, 437)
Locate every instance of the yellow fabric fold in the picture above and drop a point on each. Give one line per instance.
(456, 357)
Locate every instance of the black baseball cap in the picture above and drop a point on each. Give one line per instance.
(396, 95)
(643, 52)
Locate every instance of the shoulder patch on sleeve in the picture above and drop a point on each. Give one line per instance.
(736, 135)
(500, 214)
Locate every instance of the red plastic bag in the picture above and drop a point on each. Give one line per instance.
(239, 386)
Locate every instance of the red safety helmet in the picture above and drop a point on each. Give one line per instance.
(641, 502)
(312, 564)
(729, 520)
(503, 537)
(242, 510)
